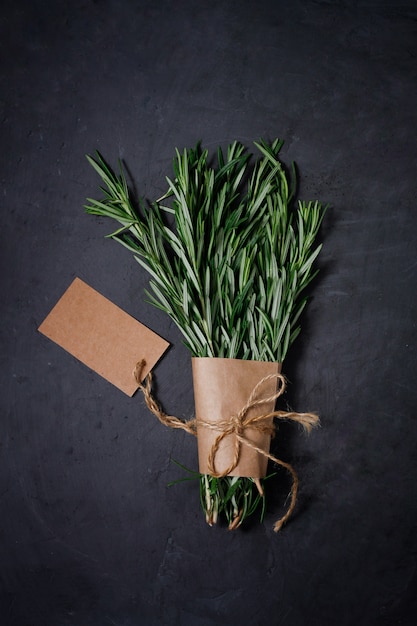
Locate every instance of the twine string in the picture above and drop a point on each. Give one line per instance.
(168, 420)
(237, 425)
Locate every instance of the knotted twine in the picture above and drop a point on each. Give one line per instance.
(236, 425)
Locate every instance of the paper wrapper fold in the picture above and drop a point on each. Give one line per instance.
(222, 388)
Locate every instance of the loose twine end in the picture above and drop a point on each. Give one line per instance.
(237, 426)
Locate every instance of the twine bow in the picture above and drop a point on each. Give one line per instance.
(237, 425)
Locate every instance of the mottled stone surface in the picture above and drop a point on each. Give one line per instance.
(90, 534)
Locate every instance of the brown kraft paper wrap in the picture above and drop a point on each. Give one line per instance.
(222, 388)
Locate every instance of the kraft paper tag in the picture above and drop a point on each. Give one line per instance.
(102, 336)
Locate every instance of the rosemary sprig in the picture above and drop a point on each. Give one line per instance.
(229, 254)
(236, 497)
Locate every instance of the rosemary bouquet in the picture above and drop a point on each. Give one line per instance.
(230, 253)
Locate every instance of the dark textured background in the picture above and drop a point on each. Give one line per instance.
(90, 534)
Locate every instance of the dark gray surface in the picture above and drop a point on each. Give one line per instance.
(90, 535)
